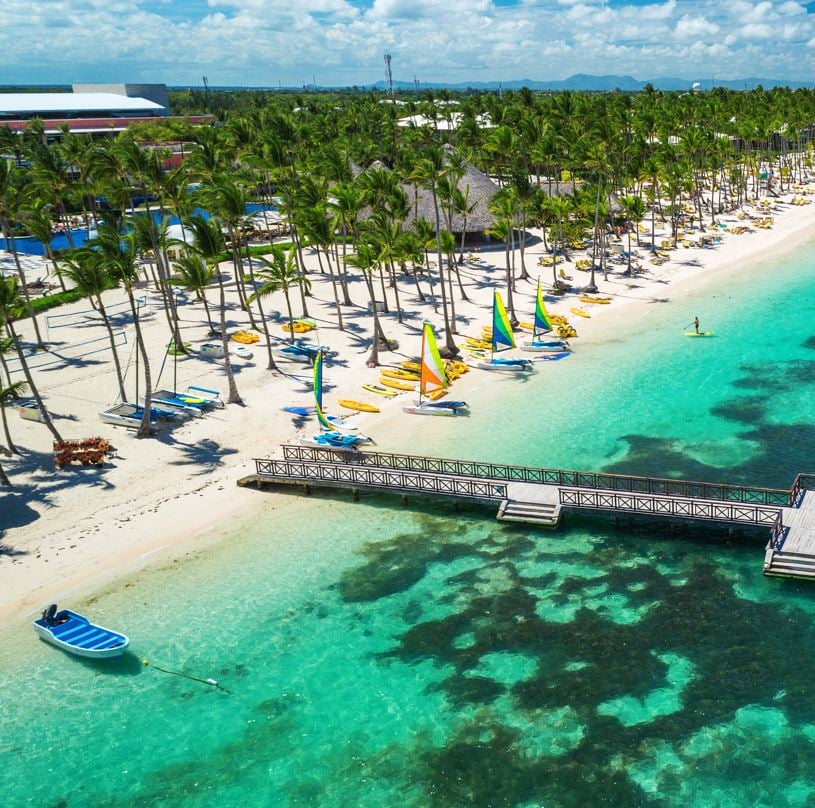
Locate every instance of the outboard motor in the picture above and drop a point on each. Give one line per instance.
(49, 615)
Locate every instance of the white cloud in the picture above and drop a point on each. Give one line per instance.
(263, 41)
(694, 27)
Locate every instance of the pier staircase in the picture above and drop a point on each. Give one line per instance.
(544, 514)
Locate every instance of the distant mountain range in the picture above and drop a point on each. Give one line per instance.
(578, 82)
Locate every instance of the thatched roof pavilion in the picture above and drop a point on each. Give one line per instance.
(474, 184)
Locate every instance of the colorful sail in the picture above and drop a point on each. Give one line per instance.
(432, 371)
(542, 321)
(318, 391)
(501, 329)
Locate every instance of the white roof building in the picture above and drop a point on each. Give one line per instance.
(447, 123)
(51, 104)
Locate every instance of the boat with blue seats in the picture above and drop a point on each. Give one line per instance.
(130, 415)
(76, 634)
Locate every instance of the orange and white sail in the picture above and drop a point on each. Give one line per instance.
(433, 376)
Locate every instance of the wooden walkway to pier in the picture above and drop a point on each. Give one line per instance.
(539, 496)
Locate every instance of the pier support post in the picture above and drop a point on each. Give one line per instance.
(404, 500)
(355, 494)
(307, 489)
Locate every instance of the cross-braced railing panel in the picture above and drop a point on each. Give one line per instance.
(653, 486)
(741, 513)
(378, 478)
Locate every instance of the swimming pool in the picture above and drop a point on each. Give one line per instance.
(28, 245)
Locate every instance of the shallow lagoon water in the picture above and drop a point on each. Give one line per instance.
(425, 656)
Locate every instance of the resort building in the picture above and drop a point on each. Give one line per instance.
(97, 109)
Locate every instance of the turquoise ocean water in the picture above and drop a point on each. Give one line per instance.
(376, 655)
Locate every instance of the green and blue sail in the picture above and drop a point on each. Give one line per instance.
(542, 321)
(502, 338)
(318, 392)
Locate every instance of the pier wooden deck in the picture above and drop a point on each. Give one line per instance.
(539, 495)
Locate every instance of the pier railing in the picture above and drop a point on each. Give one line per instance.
(622, 483)
(745, 513)
(322, 471)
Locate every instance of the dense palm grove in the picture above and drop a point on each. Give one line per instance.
(346, 178)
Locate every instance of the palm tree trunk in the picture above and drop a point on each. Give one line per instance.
(10, 238)
(451, 259)
(46, 416)
(450, 345)
(271, 365)
(145, 429)
(373, 359)
(4, 480)
(234, 396)
(291, 316)
(9, 442)
(117, 365)
(396, 294)
(333, 286)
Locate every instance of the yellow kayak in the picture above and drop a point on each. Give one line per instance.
(566, 331)
(526, 326)
(603, 300)
(245, 337)
(456, 369)
(558, 319)
(414, 366)
(401, 374)
(580, 312)
(298, 328)
(396, 385)
(359, 406)
(380, 391)
(436, 394)
(477, 343)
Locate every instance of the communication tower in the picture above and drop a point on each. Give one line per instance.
(389, 75)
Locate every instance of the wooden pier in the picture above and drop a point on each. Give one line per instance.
(539, 496)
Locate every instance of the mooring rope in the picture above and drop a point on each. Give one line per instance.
(210, 682)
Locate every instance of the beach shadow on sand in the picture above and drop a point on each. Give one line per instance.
(206, 455)
(17, 510)
(16, 513)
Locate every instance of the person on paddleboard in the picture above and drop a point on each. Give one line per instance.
(696, 324)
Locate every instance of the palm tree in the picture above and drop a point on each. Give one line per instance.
(193, 274)
(8, 394)
(366, 259)
(208, 242)
(11, 303)
(430, 169)
(116, 253)
(37, 218)
(10, 391)
(279, 275)
(10, 203)
(634, 211)
(85, 269)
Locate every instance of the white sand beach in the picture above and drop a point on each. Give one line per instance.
(65, 532)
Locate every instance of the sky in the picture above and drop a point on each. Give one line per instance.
(342, 42)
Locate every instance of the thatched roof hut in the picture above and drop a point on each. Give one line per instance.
(476, 186)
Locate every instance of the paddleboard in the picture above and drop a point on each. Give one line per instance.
(552, 357)
(300, 410)
(700, 334)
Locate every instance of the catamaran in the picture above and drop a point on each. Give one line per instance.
(501, 340)
(543, 325)
(432, 377)
(329, 436)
